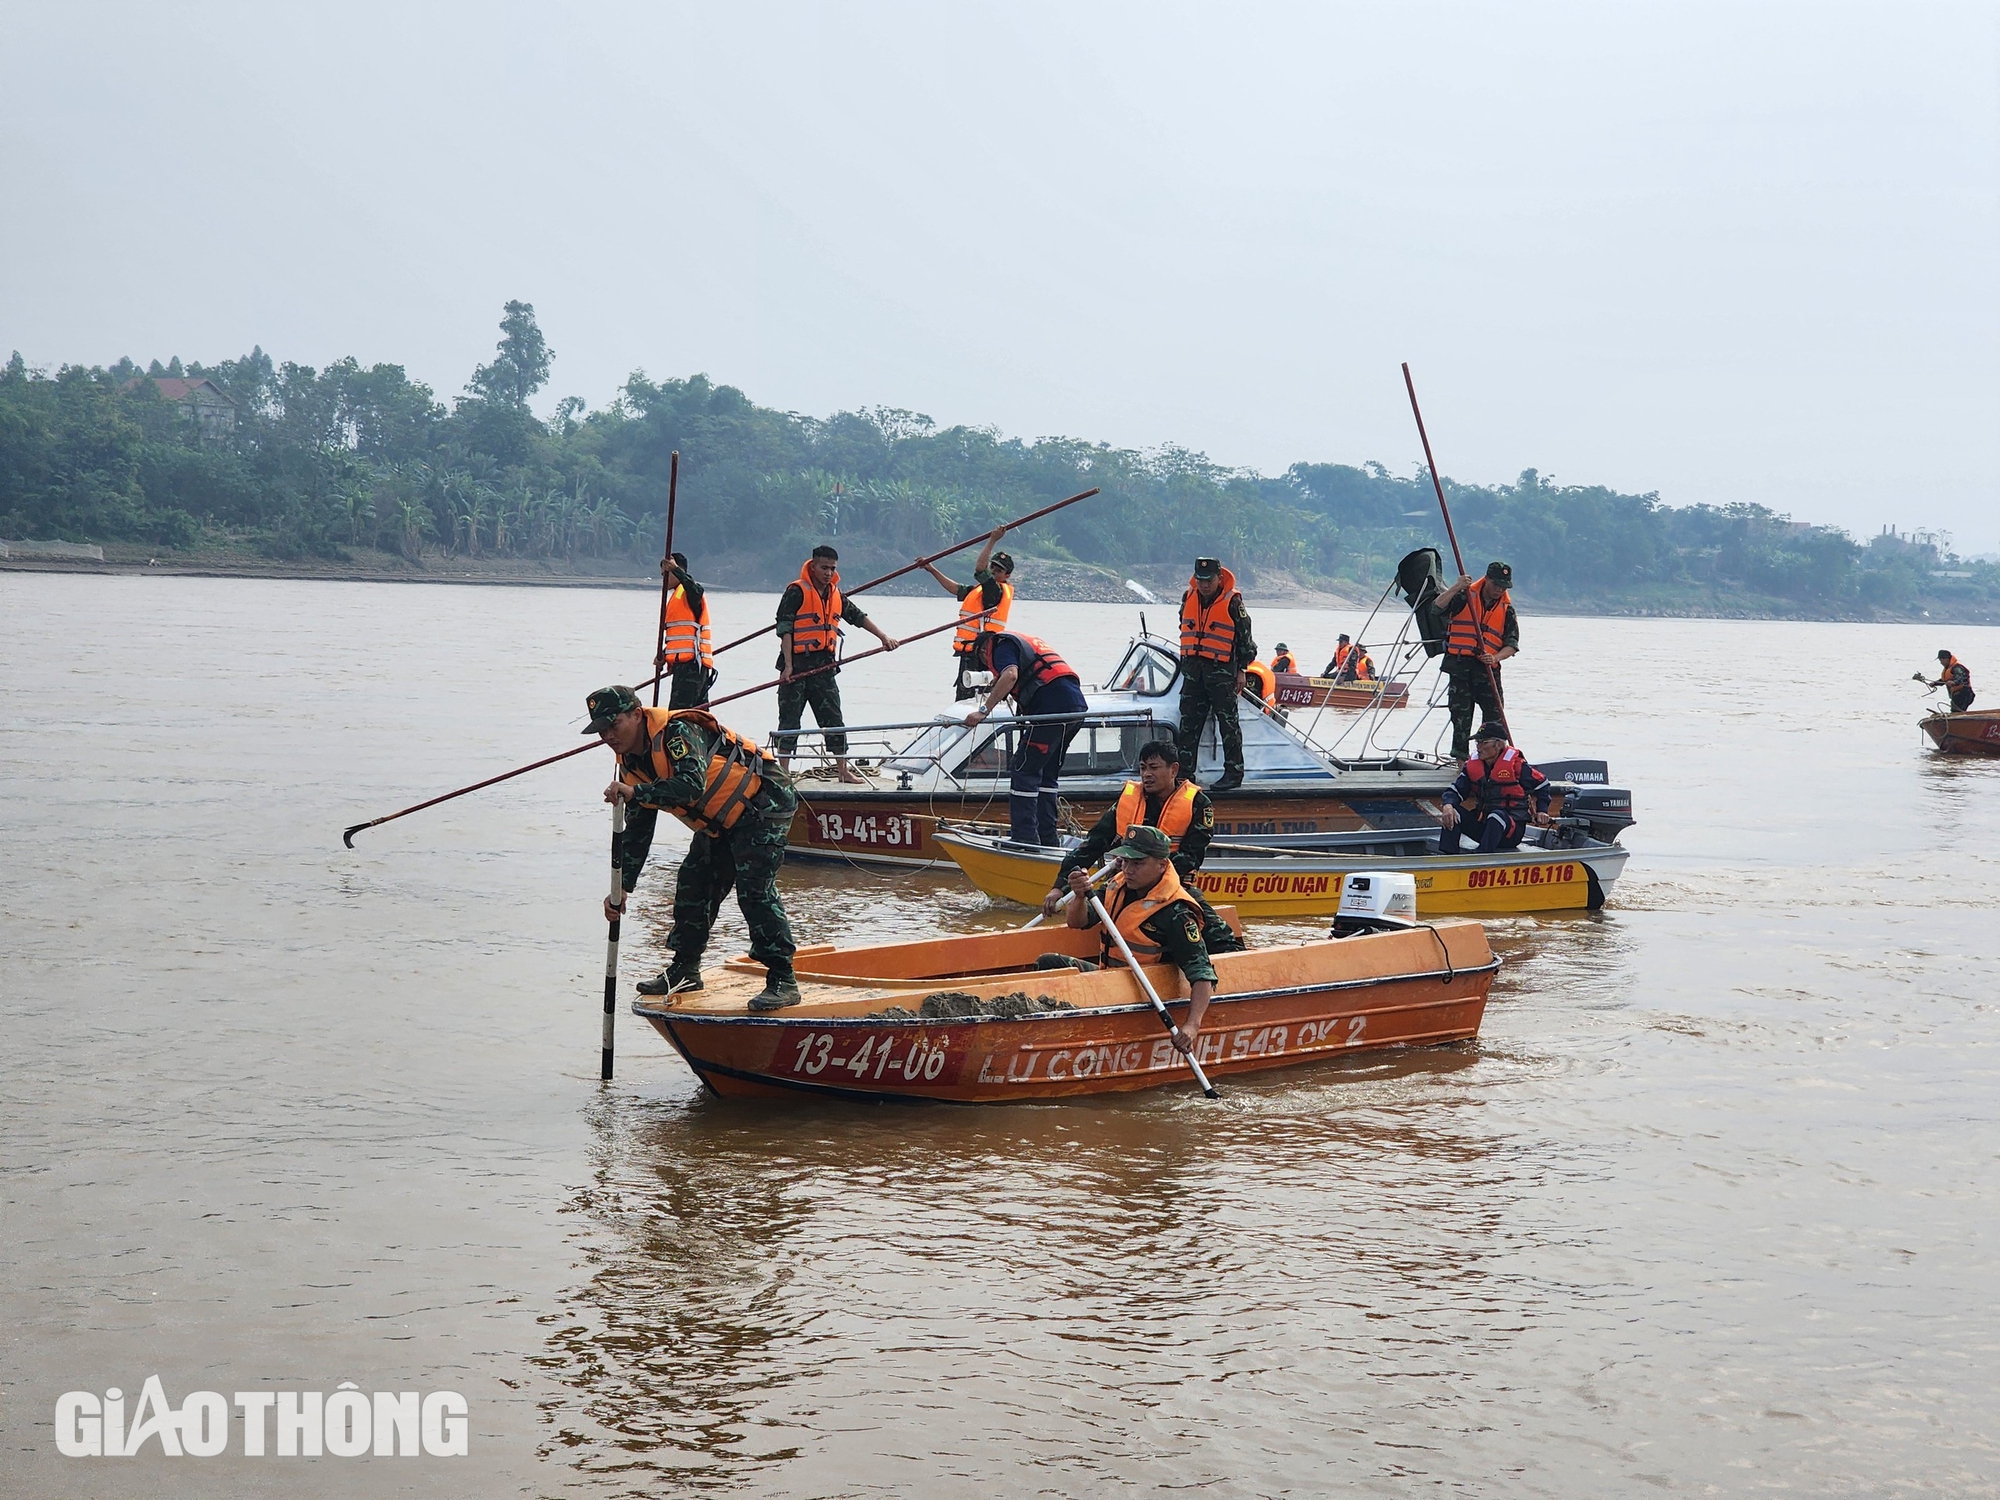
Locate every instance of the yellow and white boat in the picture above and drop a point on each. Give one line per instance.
(1572, 874)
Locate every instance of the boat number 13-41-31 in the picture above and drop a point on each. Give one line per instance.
(897, 832)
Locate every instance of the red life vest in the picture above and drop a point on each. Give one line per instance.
(1039, 662)
(684, 635)
(1498, 786)
(735, 770)
(817, 626)
(1477, 628)
(1209, 630)
(969, 628)
(1176, 813)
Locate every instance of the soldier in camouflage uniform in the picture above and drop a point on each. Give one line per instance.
(1216, 646)
(679, 760)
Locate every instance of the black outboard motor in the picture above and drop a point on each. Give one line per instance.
(1607, 810)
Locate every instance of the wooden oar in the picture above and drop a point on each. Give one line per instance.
(666, 561)
(617, 900)
(347, 835)
(1492, 678)
(1153, 995)
(922, 562)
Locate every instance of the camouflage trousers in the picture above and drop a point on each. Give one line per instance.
(746, 857)
(1470, 688)
(691, 681)
(1209, 687)
(822, 692)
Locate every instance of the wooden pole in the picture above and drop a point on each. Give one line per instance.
(1457, 557)
(666, 588)
(971, 541)
(617, 899)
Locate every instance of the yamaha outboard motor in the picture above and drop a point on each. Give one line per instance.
(1606, 809)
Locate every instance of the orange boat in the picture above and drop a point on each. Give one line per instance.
(1974, 733)
(1294, 691)
(971, 1020)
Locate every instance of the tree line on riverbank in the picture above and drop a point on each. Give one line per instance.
(309, 464)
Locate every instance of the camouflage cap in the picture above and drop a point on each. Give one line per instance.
(1003, 561)
(1501, 574)
(606, 705)
(1142, 842)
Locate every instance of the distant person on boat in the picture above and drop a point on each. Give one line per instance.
(1159, 920)
(1358, 666)
(1216, 646)
(810, 614)
(1482, 633)
(1284, 661)
(1341, 651)
(1165, 799)
(1955, 678)
(1043, 686)
(1263, 682)
(739, 804)
(685, 648)
(992, 588)
(1495, 797)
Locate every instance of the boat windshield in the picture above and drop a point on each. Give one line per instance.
(1149, 669)
(1096, 750)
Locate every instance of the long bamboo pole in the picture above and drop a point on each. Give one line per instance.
(922, 562)
(347, 836)
(1457, 557)
(666, 577)
(617, 903)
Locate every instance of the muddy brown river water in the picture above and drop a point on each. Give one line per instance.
(1710, 1209)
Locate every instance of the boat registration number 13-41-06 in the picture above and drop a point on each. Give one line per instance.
(874, 1057)
(870, 828)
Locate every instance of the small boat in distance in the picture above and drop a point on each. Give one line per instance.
(1976, 732)
(1295, 691)
(971, 1019)
(1303, 875)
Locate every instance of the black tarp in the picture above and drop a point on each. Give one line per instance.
(1420, 579)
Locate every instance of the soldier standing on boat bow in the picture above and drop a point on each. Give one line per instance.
(1215, 648)
(685, 646)
(1955, 678)
(1495, 797)
(1164, 799)
(1160, 922)
(991, 592)
(1482, 633)
(809, 619)
(1043, 686)
(739, 805)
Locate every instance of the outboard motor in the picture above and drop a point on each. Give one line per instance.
(1378, 901)
(1605, 810)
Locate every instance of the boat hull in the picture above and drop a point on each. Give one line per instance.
(1301, 885)
(1295, 691)
(1974, 733)
(899, 829)
(1278, 1008)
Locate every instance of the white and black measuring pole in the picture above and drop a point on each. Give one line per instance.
(611, 942)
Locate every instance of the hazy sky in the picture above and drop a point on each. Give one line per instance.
(1727, 252)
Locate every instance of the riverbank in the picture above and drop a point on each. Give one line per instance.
(1040, 578)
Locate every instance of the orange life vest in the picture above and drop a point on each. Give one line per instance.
(1176, 813)
(1498, 786)
(1951, 666)
(1039, 662)
(683, 634)
(735, 770)
(1476, 628)
(1209, 630)
(817, 625)
(969, 628)
(1364, 669)
(1264, 680)
(1127, 912)
(1283, 662)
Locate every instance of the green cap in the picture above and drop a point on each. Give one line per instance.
(1501, 574)
(1142, 842)
(606, 704)
(1492, 729)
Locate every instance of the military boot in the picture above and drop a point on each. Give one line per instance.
(780, 990)
(676, 979)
